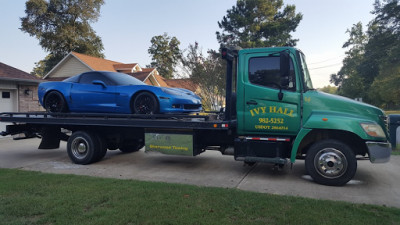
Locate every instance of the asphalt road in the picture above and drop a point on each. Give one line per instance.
(377, 184)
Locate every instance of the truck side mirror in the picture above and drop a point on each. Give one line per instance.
(284, 64)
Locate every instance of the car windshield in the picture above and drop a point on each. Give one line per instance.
(122, 79)
(307, 79)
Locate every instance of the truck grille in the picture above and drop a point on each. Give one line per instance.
(385, 120)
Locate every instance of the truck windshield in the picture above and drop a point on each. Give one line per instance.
(307, 79)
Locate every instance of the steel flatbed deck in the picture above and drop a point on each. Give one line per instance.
(167, 121)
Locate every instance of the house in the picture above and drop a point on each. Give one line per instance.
(76, 63)
(186, 83)
(18, 91)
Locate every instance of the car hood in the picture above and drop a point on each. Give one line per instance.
(178, 91)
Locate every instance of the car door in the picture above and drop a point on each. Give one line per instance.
(264, 113)
(93, 93)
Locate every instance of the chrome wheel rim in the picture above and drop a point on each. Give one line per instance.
(79, 148)
(330, 163)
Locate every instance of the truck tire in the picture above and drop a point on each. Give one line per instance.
(83, 147)
(102, 148)
(331, 162)
(132, 146)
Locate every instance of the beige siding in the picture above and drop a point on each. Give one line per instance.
(70, 67)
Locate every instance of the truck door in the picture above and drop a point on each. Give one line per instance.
(263, 112)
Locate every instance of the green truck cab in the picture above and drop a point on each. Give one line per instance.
(278, 109)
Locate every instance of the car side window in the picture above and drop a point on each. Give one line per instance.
(265, 71)
(88, 78)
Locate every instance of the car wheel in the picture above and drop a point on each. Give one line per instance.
(145, 103)
(331, 162)
(55, 103)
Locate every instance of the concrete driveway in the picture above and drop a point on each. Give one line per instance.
(377, 184)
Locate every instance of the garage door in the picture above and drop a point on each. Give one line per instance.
(8, 103)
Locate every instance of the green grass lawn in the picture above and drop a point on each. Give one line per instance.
(38, 198)
(396, 152)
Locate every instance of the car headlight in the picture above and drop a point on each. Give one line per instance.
(373, 130)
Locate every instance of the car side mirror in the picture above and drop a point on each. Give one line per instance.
(99, 82)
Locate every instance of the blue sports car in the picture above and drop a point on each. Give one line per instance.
(111, 92)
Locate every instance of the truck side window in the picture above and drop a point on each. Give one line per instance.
(265, 71)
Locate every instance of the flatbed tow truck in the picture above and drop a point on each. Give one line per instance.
(272, 115)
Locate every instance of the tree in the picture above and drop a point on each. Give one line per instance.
(259, 23)
(62, 26)
(208, 72)
(165, 54)
(329, 89)
(371, 68)
(384, 46)
(349, 80)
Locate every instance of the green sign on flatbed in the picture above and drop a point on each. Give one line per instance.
(171, 144)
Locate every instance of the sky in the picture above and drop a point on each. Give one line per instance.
(127, 26)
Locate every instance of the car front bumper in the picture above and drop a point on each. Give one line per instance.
(379, 152)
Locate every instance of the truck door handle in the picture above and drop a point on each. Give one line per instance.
(251, 102)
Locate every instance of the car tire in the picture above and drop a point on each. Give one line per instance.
(55, 102)
(145, 103)
(331, 162)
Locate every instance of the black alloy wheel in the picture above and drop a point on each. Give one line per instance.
(145, 103)
(55, 103)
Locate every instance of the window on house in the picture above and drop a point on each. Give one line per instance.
(6, 94)
(265, 71)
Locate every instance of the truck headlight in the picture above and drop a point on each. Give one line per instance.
(373, 130)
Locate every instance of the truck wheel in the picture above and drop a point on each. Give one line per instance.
(131, 147)
(331, 162)
(55, 102)
(102, 150)
(83, 147)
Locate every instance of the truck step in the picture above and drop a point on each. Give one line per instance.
(275, 160)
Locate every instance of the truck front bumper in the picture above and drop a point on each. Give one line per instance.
(379, 152)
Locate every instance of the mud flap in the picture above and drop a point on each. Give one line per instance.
(51, 136)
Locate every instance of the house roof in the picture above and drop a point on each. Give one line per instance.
(10, 73)
(140, 75)
(161, 80)
(146, 72)
(96, 63)
(123, 66)
(186, 83)
(56, 78)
